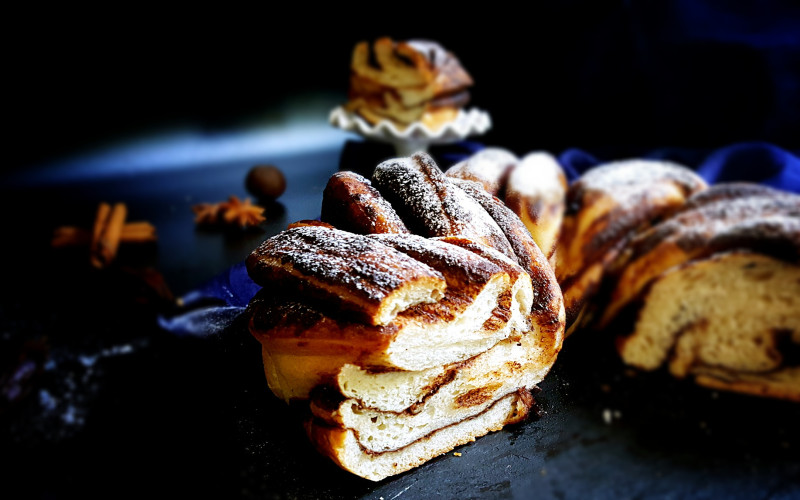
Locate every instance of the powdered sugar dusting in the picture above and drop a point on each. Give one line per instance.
(488, 167)
(773, 215)
(360, 264)
(538, 176)
(408, 188)
(432, 205)
(614, 176)
(441, 256)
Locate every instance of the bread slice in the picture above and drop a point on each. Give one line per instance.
(352, 272)
(466, 389)
(730, 319)
(305, 344)
(343, 447)
(719, 219)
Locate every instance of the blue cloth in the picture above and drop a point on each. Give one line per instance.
(758, 162)
(212, 307)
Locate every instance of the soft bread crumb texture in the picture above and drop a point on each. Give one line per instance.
(727, 312)
(509, 365)
(421, 345)
(342, 445)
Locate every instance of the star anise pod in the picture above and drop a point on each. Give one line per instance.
(207, 213)
(242, 212)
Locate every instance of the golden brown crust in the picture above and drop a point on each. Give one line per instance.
(536, 191)
(724, 218)
(405, 82)
(489, 167)
(606, 206)
(351, 203)
(309, 222)
(458, 266)
(431, 205)
(356, 273)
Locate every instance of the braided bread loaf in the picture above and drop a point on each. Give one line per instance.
(713, 292)
(417, 315)
(703, 280)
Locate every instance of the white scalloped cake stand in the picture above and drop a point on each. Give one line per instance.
(416, 137)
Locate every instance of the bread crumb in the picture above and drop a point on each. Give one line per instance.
(457, 454)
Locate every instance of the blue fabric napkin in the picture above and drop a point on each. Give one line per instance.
(758, 162)
(212, 307)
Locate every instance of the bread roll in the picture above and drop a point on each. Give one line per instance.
(386, 396)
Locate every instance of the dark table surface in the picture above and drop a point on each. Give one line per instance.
(99, 401)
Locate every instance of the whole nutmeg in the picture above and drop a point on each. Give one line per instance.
(265, 182)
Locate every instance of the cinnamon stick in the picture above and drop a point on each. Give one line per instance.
(132, 232)
(107, 233)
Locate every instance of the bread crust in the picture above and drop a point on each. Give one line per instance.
(489, 167)
(351, 203)
(431, 205)
(536, 191)
(716, 220)
(605, 207)
(406, 82)
(355, 273)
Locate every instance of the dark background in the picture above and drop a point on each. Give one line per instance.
(110, 405)
(618, 74)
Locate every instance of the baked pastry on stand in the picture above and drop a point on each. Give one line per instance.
(416, 137)
(410, 93)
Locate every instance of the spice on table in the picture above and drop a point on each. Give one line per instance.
(206, 213)
(108, 232)
(265, 182)
(234, 211)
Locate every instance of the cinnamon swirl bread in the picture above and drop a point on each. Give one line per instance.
(713, 292)
(406, 82)
(393, 369)
(604, 208)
